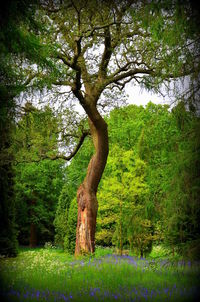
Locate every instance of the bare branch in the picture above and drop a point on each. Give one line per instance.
(106, 54)
(30, 78)
(114, 78)
(63, 83)
(65, 60)
(60, 156)
(120, 85)
(97, 28)
(74, 152)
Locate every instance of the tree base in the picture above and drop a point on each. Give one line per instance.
(86, 224)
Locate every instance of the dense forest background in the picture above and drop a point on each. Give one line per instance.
(149, 193)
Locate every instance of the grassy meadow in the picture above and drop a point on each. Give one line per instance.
(52, 275)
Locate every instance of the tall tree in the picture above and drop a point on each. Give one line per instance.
(123, 192)
(9, 87)
(180, 218)
(16, 45)
(99, 45)
(8, 235)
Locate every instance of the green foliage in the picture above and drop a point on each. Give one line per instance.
(70, 237)
(149, 148)
(170, 26)
(60, 224)
(61, 217)
(8, 232)
(140, 232)
(37, 189)
(36, 135)
(19, 41)
(150, 188)
(183, 188)
(123, 189)
(38, 182)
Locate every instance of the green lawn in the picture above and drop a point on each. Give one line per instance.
(52, 275)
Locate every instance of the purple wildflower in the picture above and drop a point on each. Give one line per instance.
(26, 294)
(37, 294)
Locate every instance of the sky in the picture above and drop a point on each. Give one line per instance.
(135, 95)
(139, 96)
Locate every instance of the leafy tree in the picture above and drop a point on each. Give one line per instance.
(8, 233)
(37, 190)
(151, 133)
(38, 182)
(145, 43)
(15, 43)
(122, 191)
(181, 211)
(125, 126)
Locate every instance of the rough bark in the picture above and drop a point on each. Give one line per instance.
(86, 195)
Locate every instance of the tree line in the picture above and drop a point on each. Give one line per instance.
(148, 195)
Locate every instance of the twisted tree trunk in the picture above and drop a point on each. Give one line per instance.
(86, 195)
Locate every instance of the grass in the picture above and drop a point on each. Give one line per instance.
(52, 275)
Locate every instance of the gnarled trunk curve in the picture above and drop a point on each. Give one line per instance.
(86, 195)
